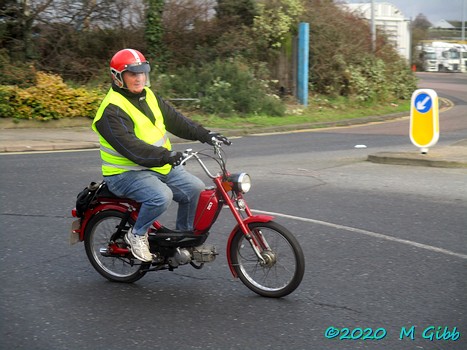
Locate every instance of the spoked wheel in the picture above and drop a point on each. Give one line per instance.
(117, 268)
(280, 271)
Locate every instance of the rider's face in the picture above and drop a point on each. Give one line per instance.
(135, 82)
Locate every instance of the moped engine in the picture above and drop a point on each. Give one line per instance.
(182, 256)
(201, 254)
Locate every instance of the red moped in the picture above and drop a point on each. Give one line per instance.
(263, 254)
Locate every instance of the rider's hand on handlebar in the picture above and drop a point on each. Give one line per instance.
(215, 136)
(175, 158)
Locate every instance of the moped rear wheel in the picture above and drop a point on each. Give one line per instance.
(282, 268)
(97, 237)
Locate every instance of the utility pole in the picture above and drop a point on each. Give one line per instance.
(463, 20)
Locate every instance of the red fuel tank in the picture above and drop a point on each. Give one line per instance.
(207, 210)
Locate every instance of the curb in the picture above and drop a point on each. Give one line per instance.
(394, 158)
(62, 135)
(58, 146)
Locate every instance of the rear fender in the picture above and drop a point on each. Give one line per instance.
(247, 221)
(101, 207)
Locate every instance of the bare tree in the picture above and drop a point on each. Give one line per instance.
(77, 38)
(92, 14)
(187, 26)
(18, 17)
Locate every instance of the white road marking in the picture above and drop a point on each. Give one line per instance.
(367, 233)
(51, 151)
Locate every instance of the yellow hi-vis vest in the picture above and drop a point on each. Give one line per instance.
(154, 134)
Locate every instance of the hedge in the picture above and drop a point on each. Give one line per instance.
(50, 98)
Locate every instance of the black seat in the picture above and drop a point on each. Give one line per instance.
(105, 192)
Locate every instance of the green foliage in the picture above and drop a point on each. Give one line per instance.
(275, 20)
(321, 110)
(7, 109)
(401, 80)
(153, 33)
(374, 80)
(227, 61)
(222, 87)
(50, 98)
(367, 81)
(342, 63)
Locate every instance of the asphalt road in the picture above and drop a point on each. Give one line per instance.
(385, 249)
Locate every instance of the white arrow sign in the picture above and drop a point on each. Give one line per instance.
(421, 104)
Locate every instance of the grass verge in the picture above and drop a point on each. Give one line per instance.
(321, 111)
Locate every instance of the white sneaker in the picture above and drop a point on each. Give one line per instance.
(139, 246)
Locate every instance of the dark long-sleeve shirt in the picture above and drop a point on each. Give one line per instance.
(117, 127)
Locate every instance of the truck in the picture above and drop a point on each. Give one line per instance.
(429, 60)
(439, 56)
(464, 60)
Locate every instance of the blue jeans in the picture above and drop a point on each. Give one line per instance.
(155, 192)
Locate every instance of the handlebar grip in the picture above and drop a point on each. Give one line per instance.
(221, 139)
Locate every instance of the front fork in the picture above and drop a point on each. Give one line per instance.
(257, 243)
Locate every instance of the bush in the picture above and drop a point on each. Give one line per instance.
(342, 62)
(222, 87)
(374, 80)
(19, 73)
(49, 98)
(402, 82)
(367, 81)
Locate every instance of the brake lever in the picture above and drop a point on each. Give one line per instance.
(187, 155)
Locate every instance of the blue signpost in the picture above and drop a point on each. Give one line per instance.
(302, 66)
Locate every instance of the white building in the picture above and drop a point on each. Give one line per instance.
(389, 19)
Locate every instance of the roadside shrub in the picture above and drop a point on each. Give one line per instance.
(342, 62)
(19, 73)
(223, 88)
(402, 82)
(6, 107)
(374, 80)
(50, 98)
(367, 80)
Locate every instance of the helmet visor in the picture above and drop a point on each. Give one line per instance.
(142, 67)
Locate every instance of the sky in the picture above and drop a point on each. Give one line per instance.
(434, 10)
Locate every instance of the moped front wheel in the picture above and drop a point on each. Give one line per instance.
(97, 237)
(281, 267)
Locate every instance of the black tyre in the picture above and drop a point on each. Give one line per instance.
(283, 267)
(98, 233)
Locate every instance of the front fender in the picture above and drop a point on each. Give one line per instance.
(247, 221)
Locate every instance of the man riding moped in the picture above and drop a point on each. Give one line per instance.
(137, 157)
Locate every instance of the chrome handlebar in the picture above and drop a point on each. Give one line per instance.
(188, 154)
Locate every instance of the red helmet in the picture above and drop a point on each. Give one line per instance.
(128, 60)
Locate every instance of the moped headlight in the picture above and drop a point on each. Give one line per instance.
(241, 182)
